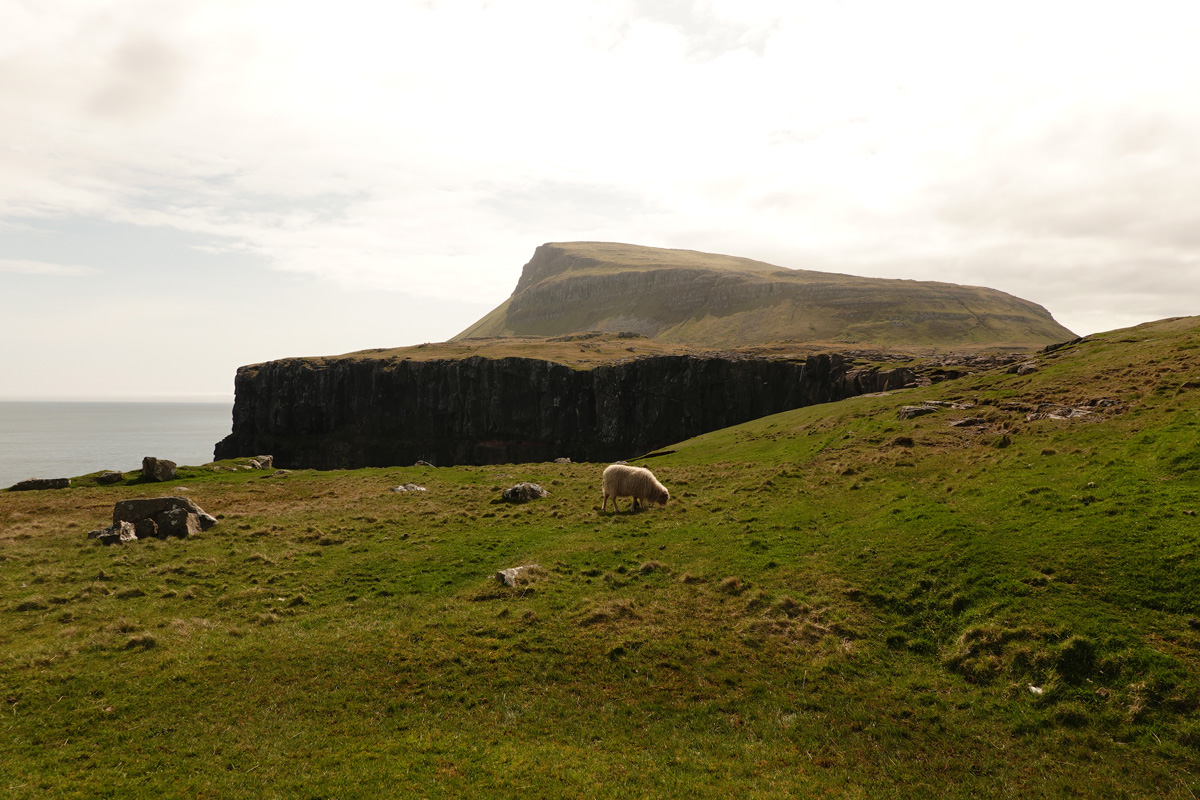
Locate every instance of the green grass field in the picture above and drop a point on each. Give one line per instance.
(836, 602)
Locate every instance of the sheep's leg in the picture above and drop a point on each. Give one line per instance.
(604, 507)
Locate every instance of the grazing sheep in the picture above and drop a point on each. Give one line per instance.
(622, 480)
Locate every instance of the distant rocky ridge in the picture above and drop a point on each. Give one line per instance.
(702, 299)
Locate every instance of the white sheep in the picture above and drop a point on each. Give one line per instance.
(622, 480)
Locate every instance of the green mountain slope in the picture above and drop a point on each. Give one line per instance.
(996, 598)
(682, 296)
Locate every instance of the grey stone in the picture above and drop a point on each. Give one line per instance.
(178, 522)
(1025, 368)
(158, 469)
(410, 487)
(109, 477)
(146, 528)
(162, 517)
(149, 507)
(908, 412)
(524, 492)
(117, 533)
(34, 484)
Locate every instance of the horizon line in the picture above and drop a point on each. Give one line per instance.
(141, 398)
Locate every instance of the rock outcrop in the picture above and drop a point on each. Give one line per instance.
(523, 493)
(349, 413)
(158, 517)
(38, 484)
(158, 470)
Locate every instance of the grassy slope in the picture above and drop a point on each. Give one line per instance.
(835, 601)
(845, 308)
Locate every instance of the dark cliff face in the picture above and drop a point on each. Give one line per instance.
(359, 413)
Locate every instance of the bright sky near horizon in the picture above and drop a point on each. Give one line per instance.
(196, 185)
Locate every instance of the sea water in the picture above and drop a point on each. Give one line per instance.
(65, 439)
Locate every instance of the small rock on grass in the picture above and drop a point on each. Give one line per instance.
(908, 412)
(410, 487)
(158, 470)
(524, 492)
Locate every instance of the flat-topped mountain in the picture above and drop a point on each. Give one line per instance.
(688, 297)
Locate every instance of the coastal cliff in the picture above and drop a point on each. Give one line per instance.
(356, 412)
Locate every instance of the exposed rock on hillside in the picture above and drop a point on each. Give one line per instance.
(35, 484)
(157, 516)
(357, 412)
(683, 296)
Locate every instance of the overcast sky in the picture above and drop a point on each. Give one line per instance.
(193, 185)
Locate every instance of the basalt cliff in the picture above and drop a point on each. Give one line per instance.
(609, 351)
(385, 411)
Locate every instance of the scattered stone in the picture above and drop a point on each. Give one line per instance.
(279, 473)
(154, 517)
(117, 533)
(1027, 368)
(158, 469)
(422, 464)
(1190, 513)
(34, 484)
(109, 477)
(510, 576)
(263, 462)
(908, 412)
(1052, 411)
(562, 461)
(524, 492)
(178, 522)
(410, 487)
(967, 422)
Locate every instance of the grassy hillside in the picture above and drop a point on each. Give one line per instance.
(836, 601)
(703, 299)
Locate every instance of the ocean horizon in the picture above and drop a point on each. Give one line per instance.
(63, 439)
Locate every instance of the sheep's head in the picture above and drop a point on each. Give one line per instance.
(663, 497)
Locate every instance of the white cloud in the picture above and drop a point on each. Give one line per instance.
(28, 267)
(426, 148)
